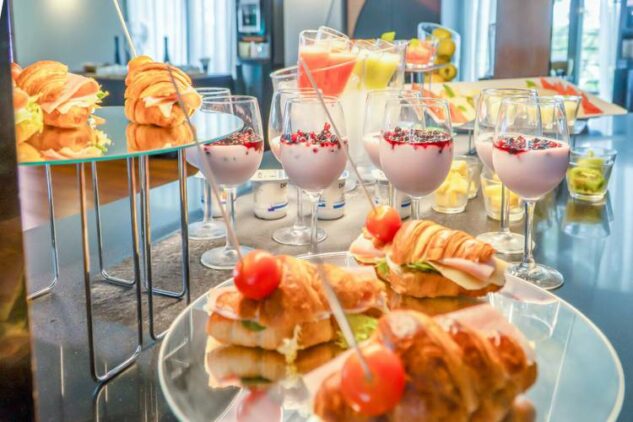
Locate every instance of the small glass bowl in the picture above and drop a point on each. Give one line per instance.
(491, 190)
(589, 173)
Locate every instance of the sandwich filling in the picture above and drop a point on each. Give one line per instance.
(79, 91)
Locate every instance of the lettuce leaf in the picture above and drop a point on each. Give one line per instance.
(31, 113)
(363, 327)
(421, 266)
(102, 94)
(382, 268)
(252, 325)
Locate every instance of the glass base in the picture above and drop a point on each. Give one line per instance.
(446, 210)
(504, 243)
(209, 230)
(597, 198)
(295, 236)
(222, 258)
(542, 276)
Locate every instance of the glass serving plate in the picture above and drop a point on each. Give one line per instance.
(126, 139)
(579, 373)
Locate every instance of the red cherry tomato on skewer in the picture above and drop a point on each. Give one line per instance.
(383, 222)
(257, 275)
(381, 393)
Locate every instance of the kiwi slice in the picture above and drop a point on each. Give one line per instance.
(586, 180)
(591, 162)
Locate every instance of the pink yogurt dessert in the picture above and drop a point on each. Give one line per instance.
(371, 141)
(275, 145)
(530, 167)
(313, 161)
(416, 161)
(233, 160)
(483, 145)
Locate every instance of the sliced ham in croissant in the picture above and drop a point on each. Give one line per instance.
(150, 96)
(67, 99)
(430, 260)
(297, 314)
(454, 372)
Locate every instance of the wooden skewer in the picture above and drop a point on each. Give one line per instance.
(124, 26)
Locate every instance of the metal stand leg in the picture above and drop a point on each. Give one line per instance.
(147, 240)
(107, 277)
(54, 252)
(117, 369)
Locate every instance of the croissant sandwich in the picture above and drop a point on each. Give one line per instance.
(57, 143)
(453, 371)
(248, 366)
(296, 315)
(148, 137)
(367, 250)
(150, 96)
(430, 260)
(67, 99)
(29, 119)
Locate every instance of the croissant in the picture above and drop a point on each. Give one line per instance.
(297, 314)
(67, 99)
(148, 137)
(430, 260)
(453, 372)
(150, 96)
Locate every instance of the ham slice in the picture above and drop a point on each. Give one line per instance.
(164, 104)
(76, 86)
(364, 250)
(480, 270)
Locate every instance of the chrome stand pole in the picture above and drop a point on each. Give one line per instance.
(117, 369)
(147, 242)
(107, 277)
(54, 251)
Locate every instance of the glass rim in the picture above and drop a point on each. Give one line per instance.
(328, 99)
(230, 99)
(536, 100)
(297, 89)
(417, 101)
(212, 89)
(284, 71)
(333, 66)
(519, 91)
(605, 151)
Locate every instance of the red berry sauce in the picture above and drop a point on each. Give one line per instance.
(521, 144)
(323, 139)
(246, 137)
(419, 138)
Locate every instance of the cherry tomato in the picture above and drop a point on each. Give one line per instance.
(257, 275)
(258, 406)
(381, 393)
(383, 223)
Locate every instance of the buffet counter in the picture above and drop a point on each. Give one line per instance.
(589, 244)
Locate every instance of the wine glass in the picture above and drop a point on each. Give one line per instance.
(373, 120)
(208, 229)
(299, 233)
(531, 159)
(416, 149)
(488, 103)
(311, 153)
(233, 161)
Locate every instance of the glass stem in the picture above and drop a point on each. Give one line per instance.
(300, 220)
(416, 204)
(207, 203)
(230, 210)
(528, 259)
(505, 210)
(314, 240)
(391, 193)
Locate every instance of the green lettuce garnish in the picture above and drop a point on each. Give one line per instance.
(102, 141)
(252, 325)
(31, 113)
(531, 84)
(382, 268)
(102, 94)
(421, 266)
(363, 327)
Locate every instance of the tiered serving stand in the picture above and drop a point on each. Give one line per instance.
(210, 127)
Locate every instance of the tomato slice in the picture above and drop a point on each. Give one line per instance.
(381, 393)
(383, 222)
(257, 275)
(258, 406)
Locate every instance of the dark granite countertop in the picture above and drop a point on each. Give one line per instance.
(598, 271)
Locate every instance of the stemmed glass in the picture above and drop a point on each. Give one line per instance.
(531, 156)
(488, 103)
(311, 153)
(208, 229)
(233, 161)
(373, 121)
(416, 149)
(299, 233)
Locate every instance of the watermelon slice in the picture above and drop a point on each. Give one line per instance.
(588, 107)
(552, 86)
